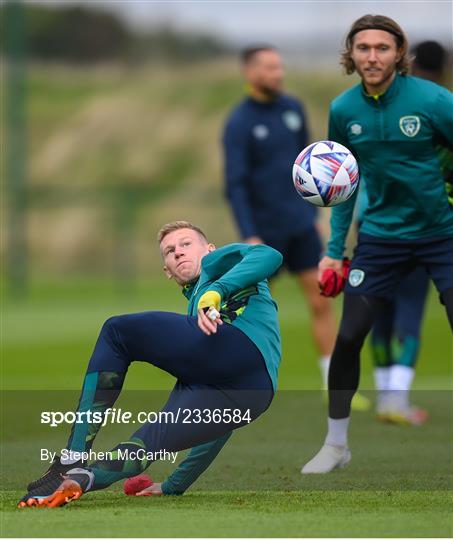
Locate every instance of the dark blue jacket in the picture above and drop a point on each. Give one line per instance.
(261, 141)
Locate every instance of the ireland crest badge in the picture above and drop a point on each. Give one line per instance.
(410, 125)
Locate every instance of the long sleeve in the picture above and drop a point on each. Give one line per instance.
(248, 265)
(341, 216)
(442, 116)
(236, 172)
(198, 460)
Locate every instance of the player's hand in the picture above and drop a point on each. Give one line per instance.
(208, 320)
(332, 281)
(209, 312)
(154, 489)
(327, 262)
(253, 240)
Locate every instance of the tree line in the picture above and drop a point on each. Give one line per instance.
(77, 34)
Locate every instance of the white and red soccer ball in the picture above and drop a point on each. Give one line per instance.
(325, 173)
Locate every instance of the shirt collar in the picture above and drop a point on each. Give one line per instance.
(386, 96)
(188, 288)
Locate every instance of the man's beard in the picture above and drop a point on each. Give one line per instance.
(270, 93)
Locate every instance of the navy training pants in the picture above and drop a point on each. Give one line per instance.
(224, 371)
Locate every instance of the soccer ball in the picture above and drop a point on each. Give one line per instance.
(325, 173)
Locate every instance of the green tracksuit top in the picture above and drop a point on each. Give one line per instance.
(394, 139)
(238, 272)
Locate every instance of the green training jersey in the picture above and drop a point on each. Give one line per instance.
(238, 272)
(394, 139)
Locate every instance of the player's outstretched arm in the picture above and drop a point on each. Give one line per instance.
(246, 266)
(234, 267)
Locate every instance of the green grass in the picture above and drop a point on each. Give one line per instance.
(399, 482)
(242, 514)
(98, 139)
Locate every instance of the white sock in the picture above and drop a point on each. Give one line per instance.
(68, 457)
(382, 378)
(401, 378)
(382, 382)
(337, 432)
(324, 363)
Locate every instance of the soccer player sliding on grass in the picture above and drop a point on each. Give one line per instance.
(224, 354)
(392, 122)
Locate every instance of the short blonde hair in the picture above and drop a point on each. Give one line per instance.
(175, 226)
(376, 22)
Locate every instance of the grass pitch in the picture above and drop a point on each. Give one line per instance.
(399, 482)
(242, 514)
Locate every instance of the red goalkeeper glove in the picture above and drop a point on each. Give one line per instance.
(137, 483)
(331, 283)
